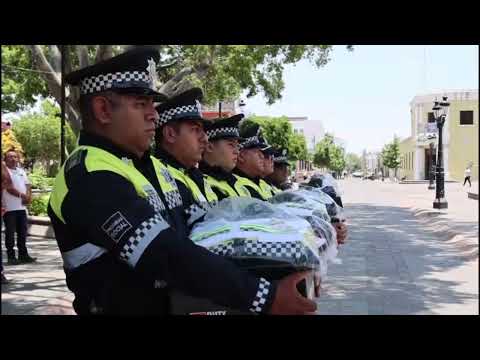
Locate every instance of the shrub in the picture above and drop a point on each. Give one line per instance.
(39, 205)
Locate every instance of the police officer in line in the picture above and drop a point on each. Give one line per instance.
(111, 210)
(278, 179)
(220, 157)
(267, 168)
(250, 163)
(180, 143)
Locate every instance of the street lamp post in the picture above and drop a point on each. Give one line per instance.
(242, 105)
(431, 185)
(440, 113)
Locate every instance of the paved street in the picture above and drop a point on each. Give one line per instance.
(402, 257)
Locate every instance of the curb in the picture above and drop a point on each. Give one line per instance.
(473, 196)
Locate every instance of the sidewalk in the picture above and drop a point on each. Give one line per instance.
(38, 288)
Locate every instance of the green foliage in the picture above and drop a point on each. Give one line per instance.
(222, 71)
(19, 87)
(279, 133)
(39, 205)
(40, 181)
(337, 160)
(352, 162)
(321, 157)
(39, 134)
(391, 154)
(329, 155)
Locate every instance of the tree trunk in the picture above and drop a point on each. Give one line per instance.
(53, 80)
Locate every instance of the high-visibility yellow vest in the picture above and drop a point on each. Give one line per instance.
(224, 187)
(246, 182)
(97, 159)
(211, 198)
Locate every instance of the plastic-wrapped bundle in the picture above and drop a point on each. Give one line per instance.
(302, 204)
(328, 185)
(335, 211)
(329, 180)
(249, 228)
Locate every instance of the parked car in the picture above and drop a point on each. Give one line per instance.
(357, 174)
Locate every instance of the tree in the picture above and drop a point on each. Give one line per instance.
(279, 133)
(222, 71)
(20, 83)
(391, 155)
(352, 162)
(321, 157)
(329, 155)
(337, 159)
(39, 134)
(9, 142)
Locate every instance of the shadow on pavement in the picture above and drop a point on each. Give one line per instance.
(387, 265)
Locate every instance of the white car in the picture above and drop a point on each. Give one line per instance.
(357, 174)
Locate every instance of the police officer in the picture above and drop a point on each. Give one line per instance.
(111, 210)
(220, 157)
(278, 179)
(180, 143)
(267, 152)
(250, 164)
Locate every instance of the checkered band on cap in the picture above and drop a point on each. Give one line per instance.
(223, 132)
(116, 80)
(248, 142)
(194, 110)
(261, 296)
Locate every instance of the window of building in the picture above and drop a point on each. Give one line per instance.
(431, 118)
(466, 117)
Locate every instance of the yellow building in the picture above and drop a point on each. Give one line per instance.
(460, 136)
(407, 159)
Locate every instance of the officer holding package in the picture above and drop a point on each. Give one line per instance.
(278, 179)
(250, 164)
(111, 210)
(220, 157)
(180, 143)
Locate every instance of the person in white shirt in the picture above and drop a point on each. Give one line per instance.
(15, 199)
(468, 174)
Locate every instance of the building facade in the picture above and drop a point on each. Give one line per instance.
(225, 109)
(313, 130)
(460, 137)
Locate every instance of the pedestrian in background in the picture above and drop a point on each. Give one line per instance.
(468, 174)
(15, 199)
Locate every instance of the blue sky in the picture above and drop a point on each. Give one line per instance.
(363, 96)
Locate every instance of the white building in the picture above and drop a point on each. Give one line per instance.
(313, 130)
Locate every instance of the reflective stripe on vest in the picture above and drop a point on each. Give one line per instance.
(266, 188)
(246, 182)
(211, 197)
(101, 160)
(276, 190)
(225, 188)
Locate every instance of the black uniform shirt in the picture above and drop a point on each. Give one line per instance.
(106, 223)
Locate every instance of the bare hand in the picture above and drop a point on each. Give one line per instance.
(342, 232)
(25, 199)
(317, 283)
(288, 301)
